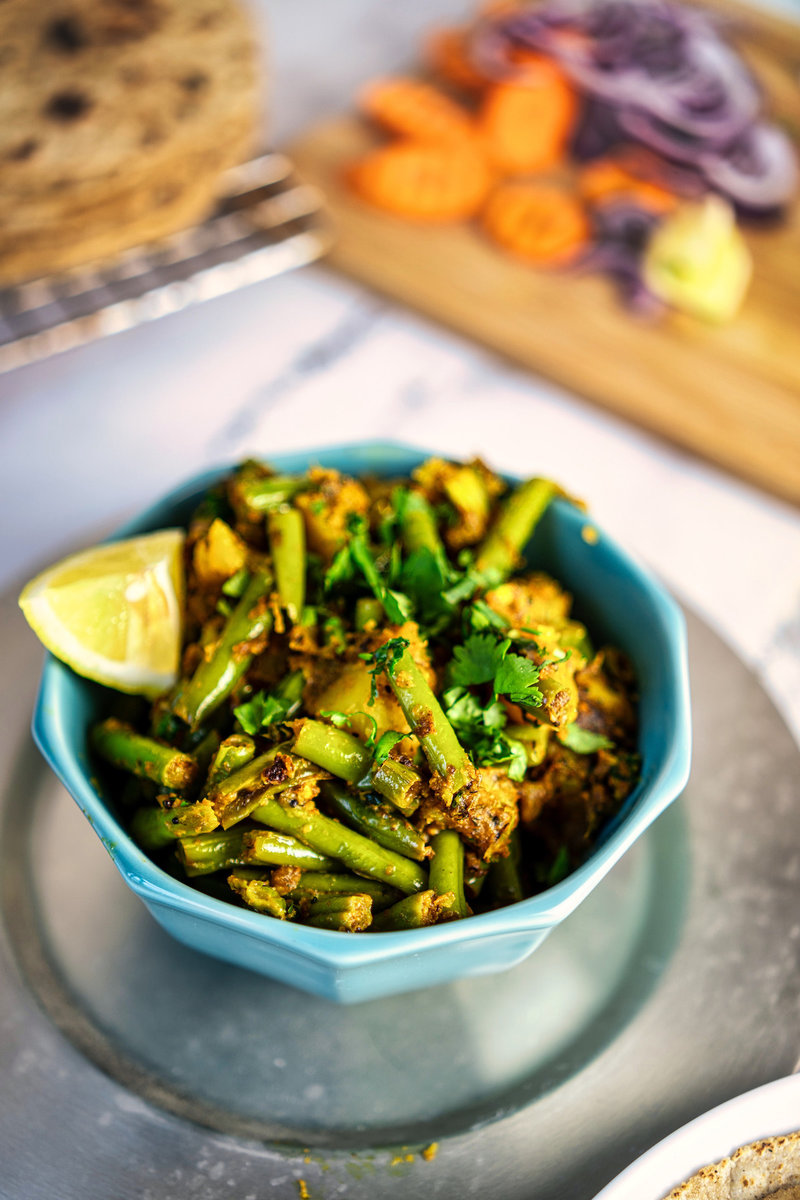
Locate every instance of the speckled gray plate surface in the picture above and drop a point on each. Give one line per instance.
(134, 1069)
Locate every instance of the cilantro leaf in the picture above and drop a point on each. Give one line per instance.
(480, 730)
(480, 616)
(516, 678)
(340, 571)
(386, 742)
(478, 660)
(583, 741)
(235, 585)
(344, 720)
(422, 577)
(385, 658)
(518, 760)
(260, 711)
(397, 606)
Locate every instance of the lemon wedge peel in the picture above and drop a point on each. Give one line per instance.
(113, 613)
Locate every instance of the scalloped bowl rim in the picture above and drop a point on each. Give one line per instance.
(327, 947)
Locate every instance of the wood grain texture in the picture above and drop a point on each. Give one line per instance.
(730, 394)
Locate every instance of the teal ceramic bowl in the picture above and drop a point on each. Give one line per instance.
(619, 600)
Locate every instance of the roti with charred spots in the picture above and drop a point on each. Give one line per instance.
(765, 1170)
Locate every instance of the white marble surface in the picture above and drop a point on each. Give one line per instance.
(88, 437)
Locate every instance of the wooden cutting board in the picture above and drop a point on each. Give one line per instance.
(730, 394)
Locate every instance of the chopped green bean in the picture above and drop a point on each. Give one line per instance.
(447, 872)
(383, 825)
(331, 838)
(282, 850)
(398, 783)
(315, 883)
(368, 609)
(333, 749)
(260, 896)
(287, 541)
(503, 881)
(353, 916)
(260, 495)
(208, 852)
(411, 913)
(234, 753)
(217, 676)
(505, 542)
(123, 747)
(425, 715)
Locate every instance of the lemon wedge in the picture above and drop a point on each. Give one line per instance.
(114, 613)
(698, 261)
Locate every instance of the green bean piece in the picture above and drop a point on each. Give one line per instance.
(505, 542)
(346, 903)
(265, 776)
(411, 913)
(331, 838)
(398, 783)
(206, 750)
(189, 819)
(315, 883)
(474, 881)
(259, 496)
(333, 749)
(249, 873)
(287, 542)
(235, 790)
(447, 872)
(282, 850)
(198, 817)
(349, 914)
(368, 609)
(422, 710)
(260, 896)
(234, 753)
(384, 825)
(419, 531)
(503, 881)
(123, 747)
(217, 676)
(208, 852)
(153, 828)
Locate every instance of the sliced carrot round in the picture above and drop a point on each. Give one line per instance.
(526, 125)
(414, 109)
(542, 223)
(446, 181)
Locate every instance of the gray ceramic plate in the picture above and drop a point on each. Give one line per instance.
(131, 1067)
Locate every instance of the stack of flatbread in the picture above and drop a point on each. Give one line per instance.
(762, 1170)
(117, 119)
